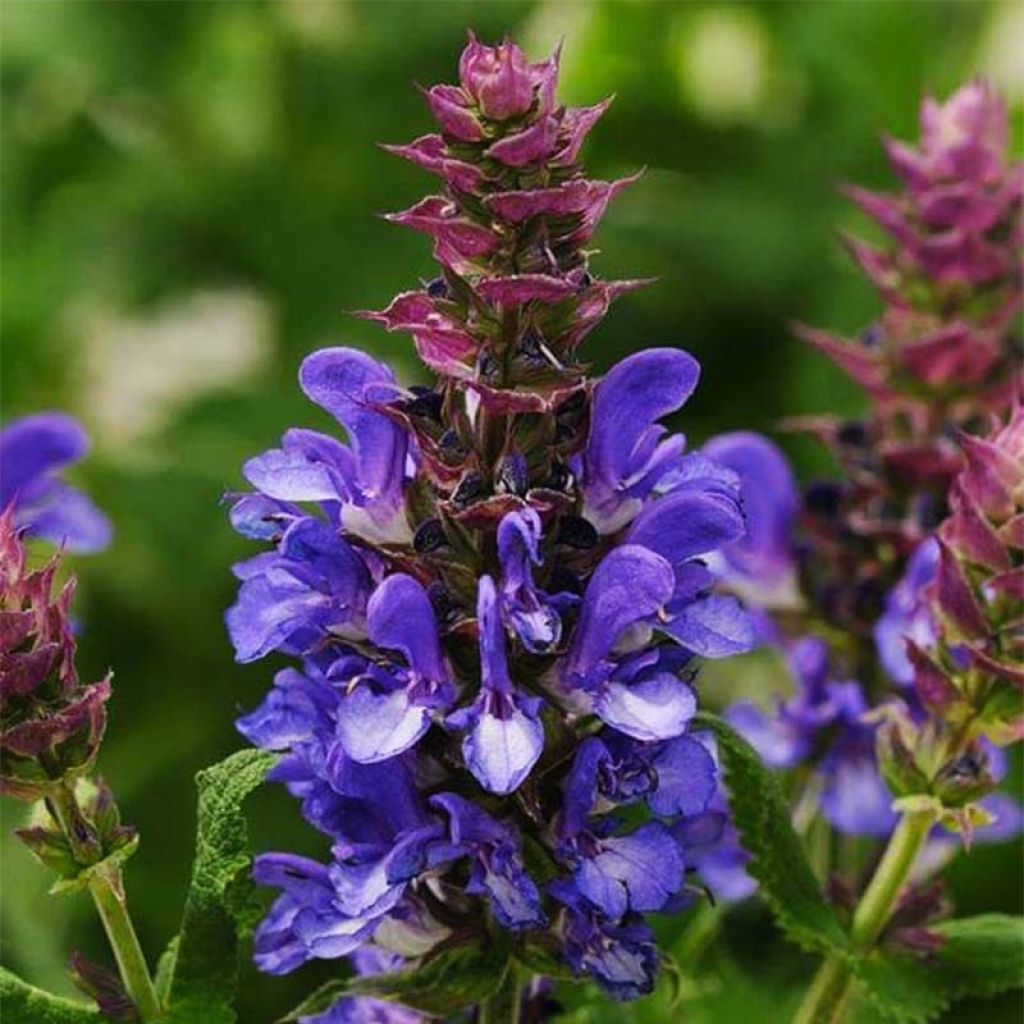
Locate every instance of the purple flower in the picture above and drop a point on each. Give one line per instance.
(535, 620)
(498, 78)
(504, 734)
(314, 585)
(761, 563)
(908, 615)
(496, 863)
(829, 714)
(33, 451)
(620, 956)
(627, 454)
(353, 388)
(387, 706)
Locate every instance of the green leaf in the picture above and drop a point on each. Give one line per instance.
(981, 956)
(778, 861)
(322, 999)
(456, 978)
(165, 970)
(25, 1004)
(206, 964)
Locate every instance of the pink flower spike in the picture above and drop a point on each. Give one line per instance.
(498, 78)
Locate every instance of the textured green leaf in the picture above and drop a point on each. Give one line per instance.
(206, 964)
(456, 978)
(23, 1003)
(981, 956)
(778, 861)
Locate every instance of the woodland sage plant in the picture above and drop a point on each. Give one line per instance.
(495, 594)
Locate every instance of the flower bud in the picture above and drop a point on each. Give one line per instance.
(498, 78)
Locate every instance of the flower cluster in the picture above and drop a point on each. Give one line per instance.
(868, 596)
(32, 452)
(52, 723)
(949, 277)
(496, 590)
(953, 633)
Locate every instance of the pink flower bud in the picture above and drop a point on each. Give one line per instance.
(499, 78)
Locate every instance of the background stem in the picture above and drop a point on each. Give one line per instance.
(107, 889)
(827, 997)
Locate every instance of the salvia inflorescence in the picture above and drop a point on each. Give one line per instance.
(497, 590)
(495, 593)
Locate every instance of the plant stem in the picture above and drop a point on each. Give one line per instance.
(108, 894)
(699, 934)
(826, 998)
(504, 1005)
(107, 889)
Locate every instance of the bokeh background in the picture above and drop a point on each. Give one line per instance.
(190, 195)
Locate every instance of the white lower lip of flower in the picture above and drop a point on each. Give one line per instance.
(392, 529)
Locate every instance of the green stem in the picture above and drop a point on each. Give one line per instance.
(107, 889)
(826, 998)
(108, 894)
(505, 1004)
(699, 934)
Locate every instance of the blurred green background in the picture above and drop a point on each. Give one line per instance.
(190, 199)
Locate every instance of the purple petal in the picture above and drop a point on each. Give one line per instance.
(687, 523)
(716, 626)
(630, 585)
(35, 446)
(431, 153)
(687, 778)
(447, 104)
(658, 707)
(769, 495)
(525, 147)
(500, 752)
(298, 472)
(347, 383)
(638, 872)
(623, 439)
(373, 727)
(68, 517)
(521, 288)
(400, 616)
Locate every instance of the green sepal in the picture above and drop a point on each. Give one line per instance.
(84, 875)
(778, 861)
(450, 980)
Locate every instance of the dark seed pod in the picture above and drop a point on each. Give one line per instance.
(470, 489)
(429, 536)
(577, 532)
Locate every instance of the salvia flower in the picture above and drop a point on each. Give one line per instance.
(496, 591)
(948, 277)
(33, 451)
(52, 722)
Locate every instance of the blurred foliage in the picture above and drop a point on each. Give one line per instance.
(189, 196)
